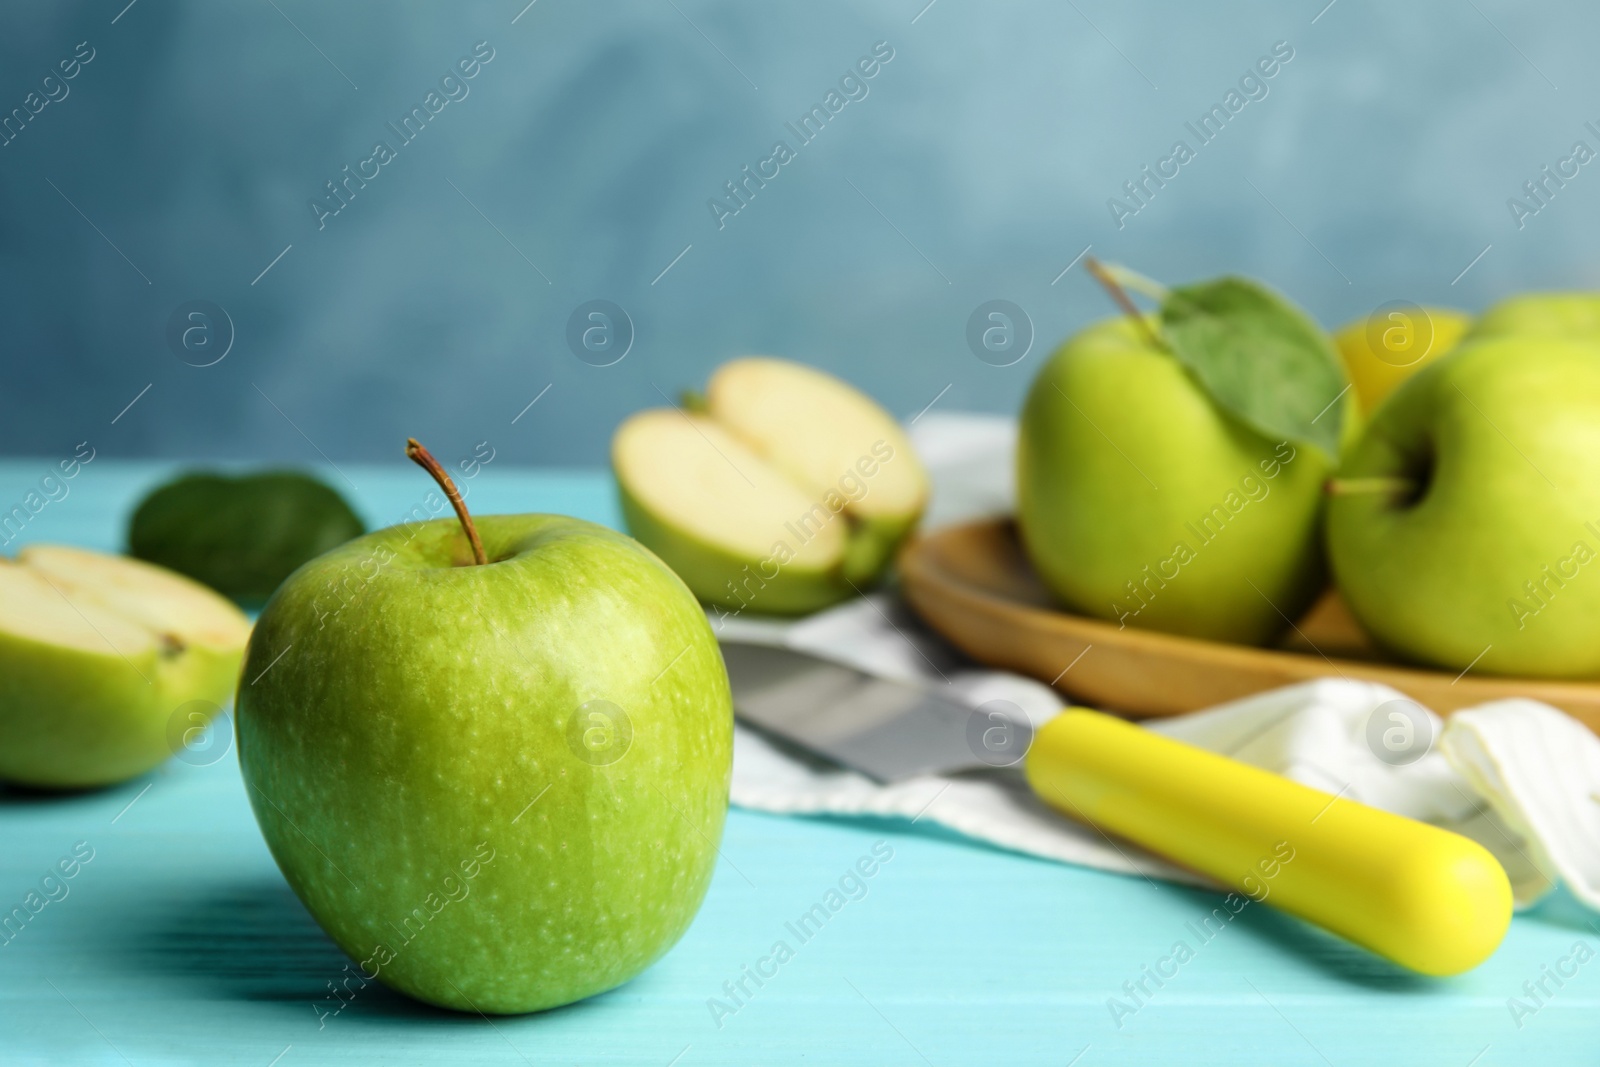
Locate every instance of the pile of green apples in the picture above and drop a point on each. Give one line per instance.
(1204, 469)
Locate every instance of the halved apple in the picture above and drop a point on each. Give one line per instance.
(97, 655)
(789, 492)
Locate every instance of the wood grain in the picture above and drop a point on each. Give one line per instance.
(973, 584)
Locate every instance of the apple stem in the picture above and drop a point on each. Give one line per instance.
(1132, 279)
(1372, 485)
(1120, 296)
(424, 459)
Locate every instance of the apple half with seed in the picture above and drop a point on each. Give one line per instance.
(97, 655)
(784, 491)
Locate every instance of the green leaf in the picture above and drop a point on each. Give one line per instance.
(1261, 358)
(240, 534)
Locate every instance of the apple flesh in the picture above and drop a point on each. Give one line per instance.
(789, 492)
(708, 506)
(1470, 533)
(1141, 501)
(97, 655)
(498, 787)
(827, 436)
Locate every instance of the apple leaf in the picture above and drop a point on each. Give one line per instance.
(1261, 358)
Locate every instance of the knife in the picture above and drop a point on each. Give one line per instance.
(1425, 898)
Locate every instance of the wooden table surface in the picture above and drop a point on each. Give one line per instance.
(180, 943)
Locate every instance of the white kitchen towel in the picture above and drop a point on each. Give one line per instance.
(1519, 777)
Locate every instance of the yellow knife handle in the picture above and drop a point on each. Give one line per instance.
(1427, 899)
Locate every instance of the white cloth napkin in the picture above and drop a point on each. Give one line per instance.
(1519, 777)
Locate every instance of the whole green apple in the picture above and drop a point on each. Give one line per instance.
(1141, 501)
(1463, 527)
(1574, 316)
(498, 787)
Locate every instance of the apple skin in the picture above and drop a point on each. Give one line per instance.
(1574, 316)
(1091, 521)
(427, 723)
(72, 719)
(709, 570)
(768, 588)
(1435, 580)
(872, 546)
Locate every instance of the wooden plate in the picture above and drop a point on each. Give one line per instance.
(972, 583)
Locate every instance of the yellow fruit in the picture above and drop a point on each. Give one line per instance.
(1385, 348)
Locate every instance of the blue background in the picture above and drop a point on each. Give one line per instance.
(579, 167)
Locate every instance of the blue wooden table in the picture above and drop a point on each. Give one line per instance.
(178, 941)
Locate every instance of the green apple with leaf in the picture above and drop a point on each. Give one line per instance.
(491, 757)
(1170, 467)
(1464, 525)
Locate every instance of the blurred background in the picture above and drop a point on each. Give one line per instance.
(183, 169)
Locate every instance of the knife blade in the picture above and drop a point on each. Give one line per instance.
(886, 729)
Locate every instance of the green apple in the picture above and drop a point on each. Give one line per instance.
(1140, 500)
(498, 787)
(1575, 316)
(1463, 527)
(99, 655)
(788, 491)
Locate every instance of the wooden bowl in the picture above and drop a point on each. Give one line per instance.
(972, 583)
